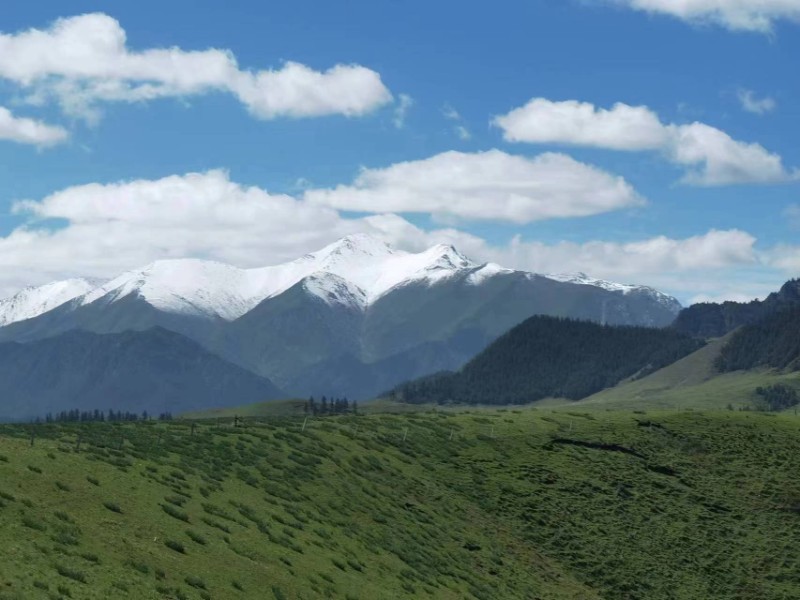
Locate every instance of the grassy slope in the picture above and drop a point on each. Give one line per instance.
(481, 504)
(689, 383)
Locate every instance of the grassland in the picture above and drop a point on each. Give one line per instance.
(481, 504)
(692, 382)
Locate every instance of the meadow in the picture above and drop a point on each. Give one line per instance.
(523, 503)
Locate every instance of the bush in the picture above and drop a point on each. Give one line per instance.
(176, 546)
(113, 507)
(196, 537)
(71, 573)
(32, 523)
(195, 582)
(175, 513)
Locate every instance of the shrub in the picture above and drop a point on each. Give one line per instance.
(139, 566)
(196, 537)
(195, 582)
(176, 546)
(90, 557)
(32, 523)
(175, 513)
(113, 507)
(92, 480)
(71, 573)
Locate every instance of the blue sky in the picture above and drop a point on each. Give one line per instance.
(280, 182)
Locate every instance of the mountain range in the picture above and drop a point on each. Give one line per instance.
(355, 318)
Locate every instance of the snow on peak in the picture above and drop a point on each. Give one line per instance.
(487, 271)
(183, 286)
(360, 245)
(584, 279)
(354, 271)
(335, 290)
(34, 301)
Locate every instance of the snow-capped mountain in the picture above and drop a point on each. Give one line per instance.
(625, 288)
(368, 267)
(354, 318)
(33, 301)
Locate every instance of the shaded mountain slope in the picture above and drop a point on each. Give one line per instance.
(154, 370)
(547, 356)
(709, 320)
(773, 341)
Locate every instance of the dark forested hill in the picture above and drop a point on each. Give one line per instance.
(154, 370)
(774, 341)
(708, 320)
(546, 356)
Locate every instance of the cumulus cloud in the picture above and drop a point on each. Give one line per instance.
(753, 104)
(489, 185)
(661, 254)
(84, 60)
(110, 228)
(622, 127)
(29, 131)
(785, 257)
(711, 156)
(736, 15)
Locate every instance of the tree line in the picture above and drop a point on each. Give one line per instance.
(111, 416)
(334, 406)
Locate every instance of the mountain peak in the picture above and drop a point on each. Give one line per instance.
(363, 244)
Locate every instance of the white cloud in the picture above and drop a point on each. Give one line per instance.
(461, 130)
(736, 15)
(489, 185)
(786, 258)
(753, 104)
(714, 265)
(84, 60)
(622, 127)
(658, 255)
(29, 131)
(711, 155)
(110, 228)
(404, 104)
(721, 160)
(450, 113)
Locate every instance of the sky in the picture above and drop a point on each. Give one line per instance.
(641, 141)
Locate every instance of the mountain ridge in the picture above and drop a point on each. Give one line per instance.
(369, 314)
(216, 289)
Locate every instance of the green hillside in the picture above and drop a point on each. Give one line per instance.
(692, 383)
(483, 504)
